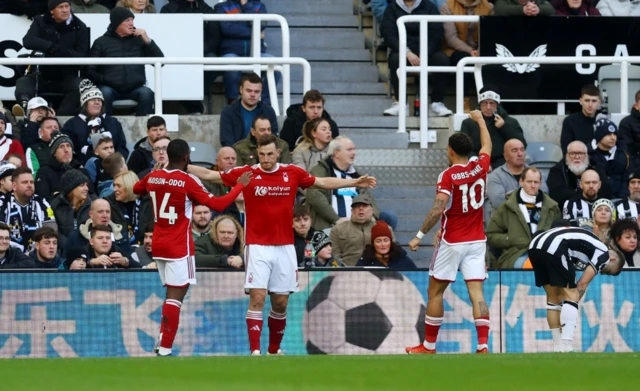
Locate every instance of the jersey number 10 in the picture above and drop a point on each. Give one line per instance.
(170, 215)
(469, 195)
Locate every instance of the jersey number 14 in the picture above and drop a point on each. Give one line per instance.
(162, 213)
(469, 195)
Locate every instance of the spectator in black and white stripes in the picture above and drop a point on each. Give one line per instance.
(629, 207)
(578, 208)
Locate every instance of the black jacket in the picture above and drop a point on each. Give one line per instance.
(79, 132)
(401, 261)
(54, 264)
(232, 123)
(67, 219)
(211, 30)
(390, 29)
(141, 157)
(49, 178)
(564, 185)
(292, 127)
(134, 226)
(577, 127)
(133, 264)
(629, 134)
(16, 259)
(300, 243)
(58, 40)
(617, 169)
(122, 78)
(29, 133)
(30, 8)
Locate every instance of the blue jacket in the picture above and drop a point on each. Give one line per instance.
(402, 261)
(232, 124)
(78, 130)
(56, 263)
(236, 36)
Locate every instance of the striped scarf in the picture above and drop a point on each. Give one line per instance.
(530, 207)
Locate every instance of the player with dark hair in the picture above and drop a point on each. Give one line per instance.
(270, 256)
(461, 241)
(556, 254)
(173, 195)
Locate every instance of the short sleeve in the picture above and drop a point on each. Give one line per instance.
(230, 177)
(444, 185)
(305, 179)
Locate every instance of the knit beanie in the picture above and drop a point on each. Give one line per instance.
(605, 202)
(604, 127)
(489, 91)
(6, 169)
(58, 138)
(3, 118)
(77, 253)
(72, 179)
(319, 241)
(54, 3)
(380, 229)
(119, 15)
(89, 91)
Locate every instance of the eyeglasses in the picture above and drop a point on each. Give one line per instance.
(160, 149)
(5, 239)
(577, 154)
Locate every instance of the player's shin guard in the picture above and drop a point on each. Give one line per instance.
(482, 328)
(254, 328)
(277, 322)
(568, 319)
(169, 323)
(431, 328)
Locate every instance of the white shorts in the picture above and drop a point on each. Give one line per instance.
(469, 258)
(177, 274)
(274, 268)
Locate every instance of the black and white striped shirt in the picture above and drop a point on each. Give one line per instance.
(627, 209)
(577, 209)
(576, 245)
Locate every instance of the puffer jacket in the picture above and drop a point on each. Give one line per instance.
(292, 127)
(79, 132)
(67, 218)
(307, 158)
(49, 178)
(141, 157)
(122, 78)
(349, 239)
(236, 36)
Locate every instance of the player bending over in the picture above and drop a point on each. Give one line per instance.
(174, 193)
(270, 256)
(459, 199)
(556, 254)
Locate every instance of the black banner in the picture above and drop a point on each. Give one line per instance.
(515, 36)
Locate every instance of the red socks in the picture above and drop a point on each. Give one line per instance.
(482, 327)
(431, 328)
(277, 323)
(254, 328)
(169, 322)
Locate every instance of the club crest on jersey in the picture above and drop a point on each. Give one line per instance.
(250, 278)
(285, 177)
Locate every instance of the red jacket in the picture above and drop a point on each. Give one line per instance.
(9, 146)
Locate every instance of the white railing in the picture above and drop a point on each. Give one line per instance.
(479, 61)
(256, 20)
(423, 69)
(213, 63)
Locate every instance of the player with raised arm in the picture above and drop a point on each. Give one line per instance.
(270, 257)
(174, 193)
(460, 193)
(556, 254)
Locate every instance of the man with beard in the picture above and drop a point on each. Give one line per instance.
(578, 208)
(142, 254)
(564, 177)
(629, 207)
(200, 221)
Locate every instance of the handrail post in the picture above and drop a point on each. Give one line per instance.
(306, 76)
(286, 68)
(624, 87)
(255, 45)
(273, 92)
(460, 85)
(157, 76)
(402, 78)
(424, 85)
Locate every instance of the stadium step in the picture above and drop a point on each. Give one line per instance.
(368, 122)
(321, 20)
(408, 206)
(335, 38)
(339, 88)
(366, 140)
(403, 192)
(433, 157)
(332, 72)
(293, 7)
(359, 105)
(324, 54)
(422, 257)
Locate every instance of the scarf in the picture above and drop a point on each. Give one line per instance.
(530, 207)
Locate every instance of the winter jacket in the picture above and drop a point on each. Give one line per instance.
(499, 136)
(211, 254)
(9, 146)
(300, 243)
(133, 264)
(618, 8)
(67, 218)
(30, 8)
(49, 178)
(141, 256)
(80, 238)
(332, 262)
(292, 127)
(232, 123)
(629, 135)
(16, 259)
(514, 7)
(37, 156)
(500, 182)
(92, 7)
(463, 36)
(563, 9)
(508, 230)
(322, 213)
(55, 263)
(236, 36)
(141, 158)
(247, 151)
(307, 158)
(348, 240)
(577, 127)
(149, 9)
(389, 28)
(218, 190)
(58, 40)
(211, 31)
(97, 175)
(79, 132)
(402, 261)
(563, 184)
(29, 133)
(142, 214)
(617, 168)
(122, 78)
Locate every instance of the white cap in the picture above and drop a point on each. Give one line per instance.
(36, 102)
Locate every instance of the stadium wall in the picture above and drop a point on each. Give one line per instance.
(116, 314)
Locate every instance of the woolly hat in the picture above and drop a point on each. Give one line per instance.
(58, 138)
(72, 179)
(605, 202)
(119, 15)
(604, 127)
(89, 91)
(77, 253)
(3, 118)
(380, 229)
(6, 169)
(54, 3)
(489, 91)
(635, 174)
(319, 241)
(98, 136)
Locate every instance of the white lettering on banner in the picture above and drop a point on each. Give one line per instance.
(523, 309)
(621, 51)
(38, 327)
(132, 317)
(585, 69)
(608, 332)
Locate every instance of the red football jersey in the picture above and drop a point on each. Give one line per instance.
(173, 194)
(268, 200)
(463, 218)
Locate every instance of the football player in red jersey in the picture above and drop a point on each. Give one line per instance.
(174, 193)
(460, 195)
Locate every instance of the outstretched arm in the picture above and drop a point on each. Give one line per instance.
(432, 218)
(204, 174)
(329, 183)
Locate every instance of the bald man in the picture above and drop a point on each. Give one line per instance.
(578, 208)
(225, 160)
(99, 214)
